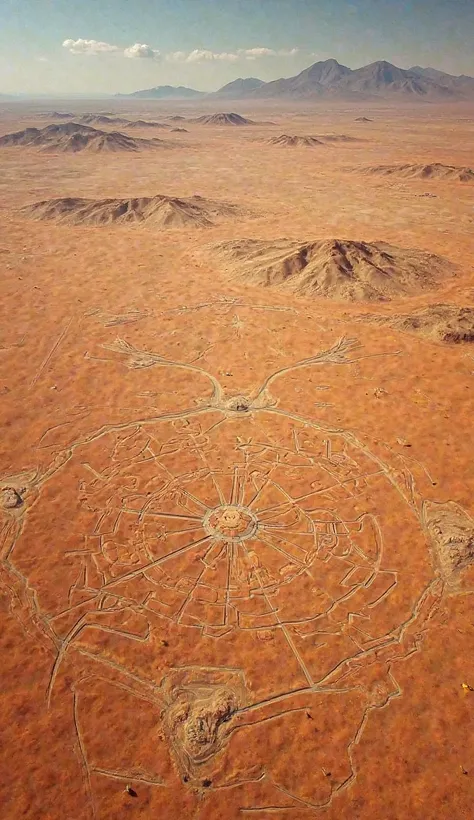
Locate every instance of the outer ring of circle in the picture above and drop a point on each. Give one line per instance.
(243, 536)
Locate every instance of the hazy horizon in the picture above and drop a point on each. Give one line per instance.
(54, 49)
(64, 95)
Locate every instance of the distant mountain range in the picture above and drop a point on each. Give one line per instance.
(331, 80)
(165, 92)
(239, 89)
(323, 80)
(462, 84)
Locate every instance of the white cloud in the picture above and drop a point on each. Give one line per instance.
(176, 57)
(202, 55)
(89, 47)
(262, 51)
(142, 51)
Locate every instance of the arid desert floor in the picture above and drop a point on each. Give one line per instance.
(236, 476)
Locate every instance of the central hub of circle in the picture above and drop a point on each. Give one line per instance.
(230, 523)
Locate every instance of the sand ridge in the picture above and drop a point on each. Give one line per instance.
(288, 141)
(434, 170)
(446, 323)
(158, 211)
(73, 137)
(102, 119)
(56, 115)
(298, 141)
(334, 269)
(223, 119)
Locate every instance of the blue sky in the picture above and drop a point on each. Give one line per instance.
(62, 46)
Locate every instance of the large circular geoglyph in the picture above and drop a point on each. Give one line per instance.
(265, 546)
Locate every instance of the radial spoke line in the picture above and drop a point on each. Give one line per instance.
(235, 487)
(196, 583)
(259, 492)
(281, 523)
(287, 635)
(196, 500)
(174, 477)
(188, 529)
(328, 489)
(230, 559)
(243, 482)
(268, 478)
(218, 488)
(275, 508)
(213, 478)
(297, 654)
(213, 427)
(296, 546)
(203, 458)
(217, 558)
(272, 527)
(167, 515)
(156, 563)
(283, 552)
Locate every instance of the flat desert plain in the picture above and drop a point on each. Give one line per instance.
(236, 480)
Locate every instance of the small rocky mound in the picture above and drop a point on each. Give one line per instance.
(10, 498)
(72, 137)
(294, 141)
(451, 532)
(433, 171)
(55, 115)
(146, 124)
(197, 723)
(363, 119)
(101, 119)
(179, 130)
(306, 141)
(335, 269)
(113, 142)
(158, 211)
(223, 119)
(442, 323)
(176, 118)
(42, 136)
